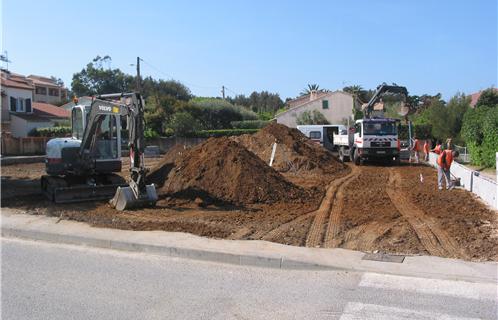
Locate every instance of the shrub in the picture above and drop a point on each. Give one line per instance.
(50, 132)
(183, 123)
(249, 124)
(220, 133)
(480, 131)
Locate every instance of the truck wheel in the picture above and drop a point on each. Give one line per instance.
(397, 161)
(341, 154)
(356, 158)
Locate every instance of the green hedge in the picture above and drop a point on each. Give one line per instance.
(50, 132)
(480, 130)
(220, 133)
(249, 124)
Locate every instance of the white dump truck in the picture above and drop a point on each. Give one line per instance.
(374, 137)
(369, 139)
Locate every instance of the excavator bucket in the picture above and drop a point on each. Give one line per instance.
(125, 198)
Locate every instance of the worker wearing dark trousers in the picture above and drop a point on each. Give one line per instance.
(443, 168)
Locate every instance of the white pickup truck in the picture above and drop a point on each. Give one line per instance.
(370, 139)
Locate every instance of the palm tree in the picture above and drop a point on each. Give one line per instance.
(310, 88)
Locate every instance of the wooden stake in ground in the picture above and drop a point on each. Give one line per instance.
(273, 153)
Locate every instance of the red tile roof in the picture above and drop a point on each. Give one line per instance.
(49, 110)
(16, 84)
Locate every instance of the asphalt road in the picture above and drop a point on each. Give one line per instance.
(49, 281)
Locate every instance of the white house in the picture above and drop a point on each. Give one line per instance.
(18, 111)
(336, 106)
(17, 97)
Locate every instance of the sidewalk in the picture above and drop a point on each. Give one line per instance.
(251, 253)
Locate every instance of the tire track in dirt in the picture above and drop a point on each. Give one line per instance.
(435, 240)
(333, 202)
(283, 228)
(334, 212)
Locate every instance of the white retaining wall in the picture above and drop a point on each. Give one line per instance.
(484, 187)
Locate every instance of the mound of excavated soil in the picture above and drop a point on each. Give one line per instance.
(294, 153)
(223, 170)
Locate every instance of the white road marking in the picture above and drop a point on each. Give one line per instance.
(454, 288)
(357, 310)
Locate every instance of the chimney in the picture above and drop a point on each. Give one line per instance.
(312, 95)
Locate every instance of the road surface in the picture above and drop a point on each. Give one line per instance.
(51, 281)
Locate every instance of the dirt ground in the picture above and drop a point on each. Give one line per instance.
(365, 208)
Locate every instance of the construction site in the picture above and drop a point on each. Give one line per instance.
(225, 188)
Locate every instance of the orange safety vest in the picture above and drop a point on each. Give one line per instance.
(437, 149)
(447, 155)
(416, 145)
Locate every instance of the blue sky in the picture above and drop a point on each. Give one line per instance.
(280, 46)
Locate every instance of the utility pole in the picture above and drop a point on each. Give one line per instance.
(223, 92)
(138, 74)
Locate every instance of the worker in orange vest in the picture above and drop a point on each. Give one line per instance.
(426, 150)
(416, 148)
(437, 148)
(443, 168)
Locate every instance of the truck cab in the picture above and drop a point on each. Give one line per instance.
(370, 139)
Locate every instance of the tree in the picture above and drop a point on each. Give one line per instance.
(161, 88)
(458, 105)
(311, 117)
(358, 92)
(259, 102)
(183, 123)
(489, 98)
(94, 79)
(310, 88)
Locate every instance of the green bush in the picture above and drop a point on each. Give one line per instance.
(480, 131)
(150, 133)
(220, 133)
(249, 124)
(50, 132)
(183, 123)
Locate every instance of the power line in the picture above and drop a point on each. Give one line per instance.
(172, 78)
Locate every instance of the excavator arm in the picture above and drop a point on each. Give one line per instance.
(131, 106)
(382, 90)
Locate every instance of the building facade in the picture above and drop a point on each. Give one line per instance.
(337, 107)
(48, 90)
(19, 111)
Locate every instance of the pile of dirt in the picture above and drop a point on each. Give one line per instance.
(294, 152)
(222, 170)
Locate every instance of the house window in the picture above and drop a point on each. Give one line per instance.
(315, 135)
(41, 90)
(53, 92)
(13, 104)
(28, 106)
(325, 104)
(20, 105)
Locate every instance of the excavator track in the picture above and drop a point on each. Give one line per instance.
(77, 189)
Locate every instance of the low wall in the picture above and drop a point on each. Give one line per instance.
(471, 180)
(23, 146)
(165, 144)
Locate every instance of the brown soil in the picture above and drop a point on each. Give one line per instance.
(365, 208)
(302, 161)
(222, 171)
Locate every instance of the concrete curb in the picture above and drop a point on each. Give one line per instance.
(239, 252)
